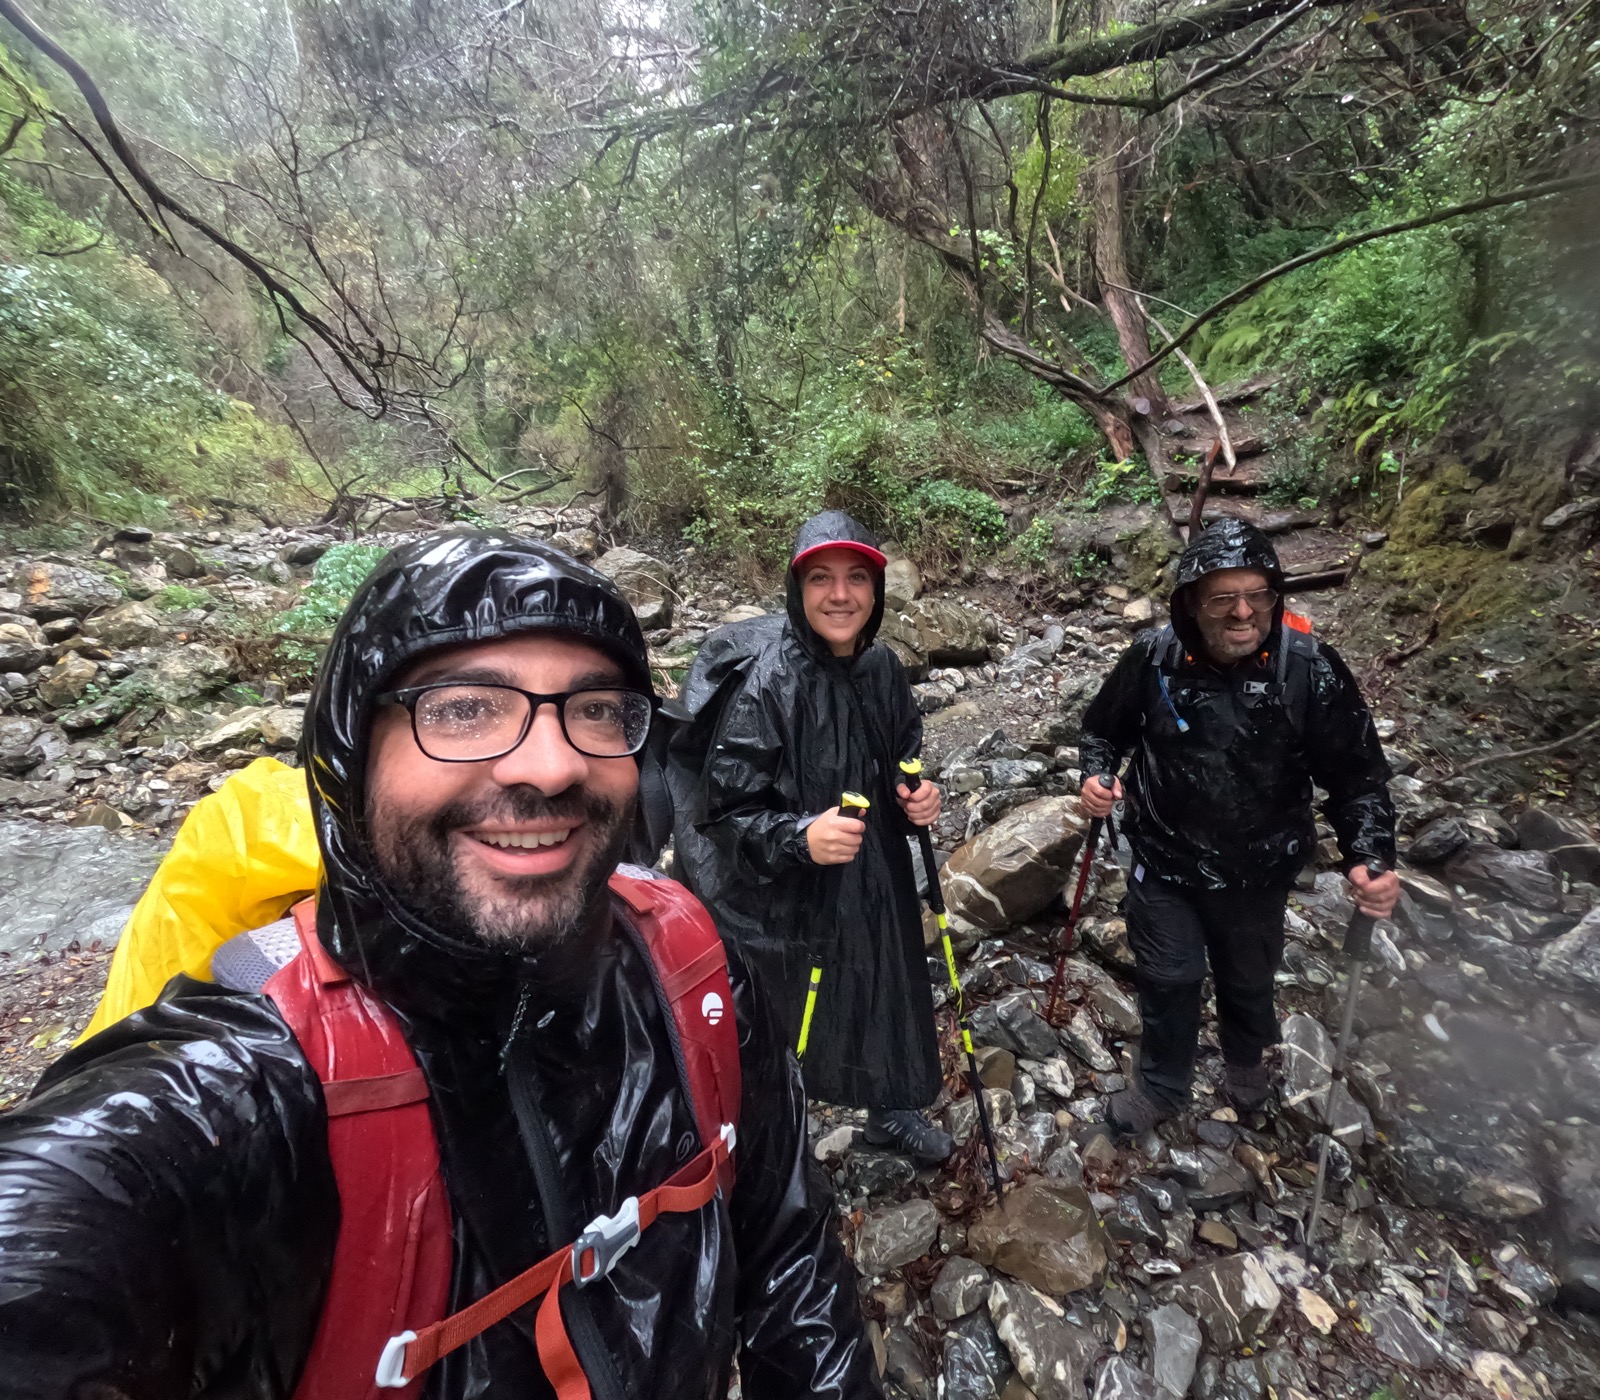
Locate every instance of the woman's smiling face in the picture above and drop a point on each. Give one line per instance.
(838, 590)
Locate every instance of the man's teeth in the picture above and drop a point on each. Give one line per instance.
(525, 840)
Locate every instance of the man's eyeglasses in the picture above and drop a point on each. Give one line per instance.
(456, 723)
(1222, 604)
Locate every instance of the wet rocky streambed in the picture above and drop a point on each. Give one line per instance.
(1459, 1254)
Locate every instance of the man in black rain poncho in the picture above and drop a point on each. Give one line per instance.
(168, 1208)
(1230, 714)
(806, 708)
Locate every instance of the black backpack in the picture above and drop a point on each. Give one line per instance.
(675, 755)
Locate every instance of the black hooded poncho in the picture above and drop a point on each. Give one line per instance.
(795, 728)
(168, 1210)
(1228, 802)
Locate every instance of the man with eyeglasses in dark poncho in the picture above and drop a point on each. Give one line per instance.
(491, 1116)
(1231, 714)
(793, 712)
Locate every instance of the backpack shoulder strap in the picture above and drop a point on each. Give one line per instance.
(691, 969)
(691, 974)
(393, 1257)
(1297, 649)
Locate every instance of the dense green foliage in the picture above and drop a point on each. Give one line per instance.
(734, 262)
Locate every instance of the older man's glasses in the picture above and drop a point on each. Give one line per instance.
(1219, 605)
(456, 723)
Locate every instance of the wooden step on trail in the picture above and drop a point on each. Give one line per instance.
(1230, 393)
(1267, 520)
(1246, 480)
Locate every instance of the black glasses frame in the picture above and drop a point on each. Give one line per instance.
(410, 695)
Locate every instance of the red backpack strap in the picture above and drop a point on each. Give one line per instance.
(392, 1261)
(692, 967)
(1295, 622)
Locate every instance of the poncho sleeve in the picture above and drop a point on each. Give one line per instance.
(751, 811)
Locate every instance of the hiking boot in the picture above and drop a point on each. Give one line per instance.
(1133, 1112)
(1246, 1086)
(905, 1130)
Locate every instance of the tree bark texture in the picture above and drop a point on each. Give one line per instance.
(1113, 133)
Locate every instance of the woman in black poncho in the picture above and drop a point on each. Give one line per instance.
(806, 708)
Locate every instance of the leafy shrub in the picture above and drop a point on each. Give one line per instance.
(1032, 546)
(1119, 481)
(945, 504)
(334, 580)
(1297, 476)
(99, 403)
(175, 597)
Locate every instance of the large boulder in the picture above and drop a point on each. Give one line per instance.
(896, 1235)
(1174, 1339)
(1234, 1299)
(953, 634)
(1572, 843)
(903, 637)
(51, 590)
(17, 752)
(277, 726)
(188, 671)
(1014, 869)
(646, 582)
(68, 680)
(962, 1287)
(131, 625)
(58, 885)
(1045, 1233)
(901, 584)
(22, 647)
(1051, 1355)
(1524, 877)
(1574, 958)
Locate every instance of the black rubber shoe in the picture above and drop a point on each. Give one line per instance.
(1246, 1087)
(905, 1130)
(1132, 1112)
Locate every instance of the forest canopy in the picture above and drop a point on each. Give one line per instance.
(719, 263)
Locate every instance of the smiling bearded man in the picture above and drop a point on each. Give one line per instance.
(1231, 715)
(486, 1062)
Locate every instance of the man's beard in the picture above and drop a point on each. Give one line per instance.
(415, 859)
(1225, 650)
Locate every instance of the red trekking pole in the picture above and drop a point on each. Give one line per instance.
(1090, 842)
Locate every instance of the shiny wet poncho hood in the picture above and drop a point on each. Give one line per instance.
(448, 590)
(1228, 544)
(1223, 760)
(167, 1206)
(782, 729)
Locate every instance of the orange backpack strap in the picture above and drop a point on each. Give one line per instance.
(1295, 622)
(691, 971)
(392, 1261)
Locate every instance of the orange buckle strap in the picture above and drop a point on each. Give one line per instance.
(590, 1257)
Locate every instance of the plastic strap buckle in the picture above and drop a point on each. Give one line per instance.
(604, 1240)
(729, 1135)
(392, 1364)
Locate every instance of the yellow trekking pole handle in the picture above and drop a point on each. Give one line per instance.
(850, 804)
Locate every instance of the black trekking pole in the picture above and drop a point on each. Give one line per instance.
(1090, 842)
(851, 804)
(1357, 947)
(912, 768)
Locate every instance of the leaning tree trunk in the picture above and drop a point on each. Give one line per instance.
(1114, 136)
